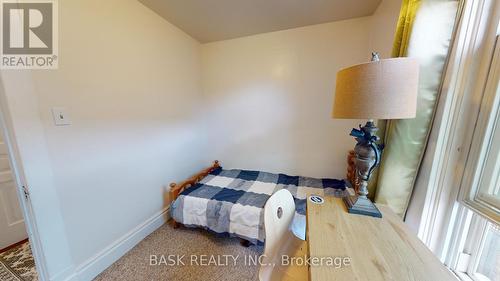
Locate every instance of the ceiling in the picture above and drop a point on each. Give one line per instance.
(214, 20)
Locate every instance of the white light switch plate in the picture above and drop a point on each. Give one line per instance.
(61, 116)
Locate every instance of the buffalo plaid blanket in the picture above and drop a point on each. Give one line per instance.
(231, 202)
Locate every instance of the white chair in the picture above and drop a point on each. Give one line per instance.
(278, 214)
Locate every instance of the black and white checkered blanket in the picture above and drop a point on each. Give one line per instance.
(231, 202)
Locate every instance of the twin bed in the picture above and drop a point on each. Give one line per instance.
(231, 202)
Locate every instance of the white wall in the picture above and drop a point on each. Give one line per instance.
(269, 96)
(383, 27)
(19, 106)
(131, 84)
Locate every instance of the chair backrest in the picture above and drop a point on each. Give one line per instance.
(278, 214)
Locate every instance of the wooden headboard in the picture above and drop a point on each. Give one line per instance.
(351, 170)
(177, 188)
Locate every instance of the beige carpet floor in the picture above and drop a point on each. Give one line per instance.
(136, 265)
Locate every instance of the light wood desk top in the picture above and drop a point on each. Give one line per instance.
(379, 249)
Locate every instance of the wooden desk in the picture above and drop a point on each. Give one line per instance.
(379, 249)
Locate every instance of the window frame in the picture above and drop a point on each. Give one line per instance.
(452, 132)
(472, 217)
(482, 143)
(468, 248)
(446, 218)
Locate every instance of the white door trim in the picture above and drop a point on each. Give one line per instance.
(19, 179)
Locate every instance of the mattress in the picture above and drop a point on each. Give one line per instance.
(231, 202)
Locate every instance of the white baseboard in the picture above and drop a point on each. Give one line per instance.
(68, 274)
(97, 264)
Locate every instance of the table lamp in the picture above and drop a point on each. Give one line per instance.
(380, 89)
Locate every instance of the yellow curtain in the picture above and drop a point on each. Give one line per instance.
(401, 39)
(406, 139)
(405, 25)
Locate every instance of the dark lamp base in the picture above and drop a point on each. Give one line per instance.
(361, 206)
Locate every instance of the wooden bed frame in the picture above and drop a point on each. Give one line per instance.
(351, 170)
(177, 188)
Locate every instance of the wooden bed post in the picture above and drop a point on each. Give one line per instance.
(173, 196)
(351, 170)
(176, 189)
(173, 193)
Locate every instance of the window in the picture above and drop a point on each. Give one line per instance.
(483, 181)
(479, 253)
(460, 169)
(462, 208)
(489, 260)
(479, 259)
(473, 247)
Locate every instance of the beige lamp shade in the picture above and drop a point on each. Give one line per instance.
(385, 89)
